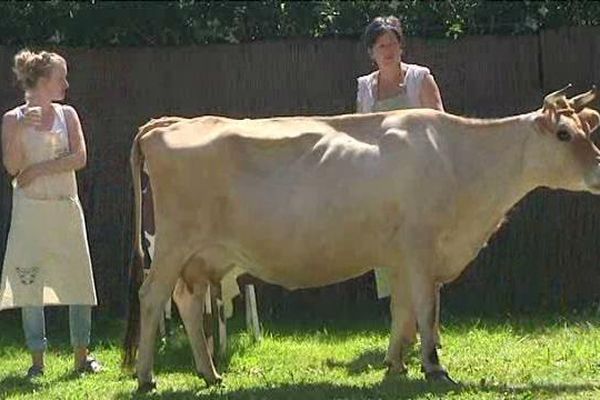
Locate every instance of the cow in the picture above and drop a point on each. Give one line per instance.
(309, 201)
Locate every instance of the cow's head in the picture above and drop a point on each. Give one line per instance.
(568, 153)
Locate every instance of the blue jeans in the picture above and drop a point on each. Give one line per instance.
(34, 326)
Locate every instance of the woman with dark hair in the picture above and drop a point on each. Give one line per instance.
(394, 85)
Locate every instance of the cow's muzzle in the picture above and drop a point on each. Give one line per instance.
(592, 179)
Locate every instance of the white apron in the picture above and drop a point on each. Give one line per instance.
(47, 260)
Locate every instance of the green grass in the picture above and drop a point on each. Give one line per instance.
(519, 358)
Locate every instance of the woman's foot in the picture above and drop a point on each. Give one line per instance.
(89, 365)
(35, 371)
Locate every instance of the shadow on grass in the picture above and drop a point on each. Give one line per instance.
(372, 360)
(17, 384)
(13, 385)
(369, 360)
(392, 388)
(175, 353)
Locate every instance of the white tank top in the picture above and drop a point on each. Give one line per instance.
(38, 146)
(366, 95)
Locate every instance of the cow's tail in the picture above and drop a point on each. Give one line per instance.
(136, 268)
(137, 263)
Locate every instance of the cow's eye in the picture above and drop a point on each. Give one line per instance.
(563, 135)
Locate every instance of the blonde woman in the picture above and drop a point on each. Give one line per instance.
(47, 260)
(394, 85)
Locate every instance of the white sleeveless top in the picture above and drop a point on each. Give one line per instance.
(41, 146)
(366, 95)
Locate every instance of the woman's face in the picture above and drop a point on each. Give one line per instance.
(55, 85)
(386, 50)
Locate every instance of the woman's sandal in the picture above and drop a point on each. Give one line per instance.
(90, 365)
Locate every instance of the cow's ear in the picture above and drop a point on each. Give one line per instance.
(543, 121)
(590, 120)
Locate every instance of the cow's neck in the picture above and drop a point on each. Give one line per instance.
(492, 165)
(490, 179)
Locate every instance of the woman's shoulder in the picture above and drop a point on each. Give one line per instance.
(14, 112)
(65, 109)
(364, 79)
(418, 70)
(63, 106)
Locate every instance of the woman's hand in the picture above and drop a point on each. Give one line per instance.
(28, 175)
(32, 117)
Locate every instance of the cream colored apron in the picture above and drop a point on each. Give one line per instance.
(47, 259)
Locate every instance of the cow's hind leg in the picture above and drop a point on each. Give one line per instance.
(403, 332)
(190, 296)
(436, 330)
(154, 293)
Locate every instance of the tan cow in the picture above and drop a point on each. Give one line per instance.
(310, 201)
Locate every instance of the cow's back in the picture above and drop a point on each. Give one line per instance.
(282, 194)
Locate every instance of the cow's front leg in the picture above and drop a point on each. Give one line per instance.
(403, 331)
(424, 291)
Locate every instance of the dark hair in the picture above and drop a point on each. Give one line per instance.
(381, 25)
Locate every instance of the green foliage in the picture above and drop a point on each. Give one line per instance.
(187, 22)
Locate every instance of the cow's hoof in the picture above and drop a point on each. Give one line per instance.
(439, 376)
(147, 387)
(217, 380)
(396, 370)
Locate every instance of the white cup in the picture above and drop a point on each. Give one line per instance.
(37, 110)
(36, 113)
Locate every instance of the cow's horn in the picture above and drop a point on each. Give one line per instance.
(552, 97)
(581, 100)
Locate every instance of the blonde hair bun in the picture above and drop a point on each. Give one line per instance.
(30, 66)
